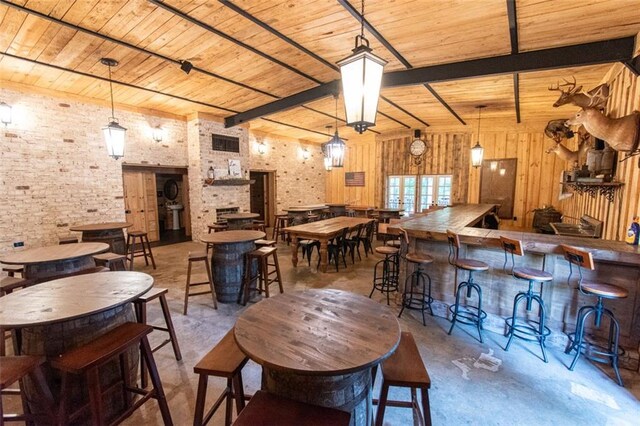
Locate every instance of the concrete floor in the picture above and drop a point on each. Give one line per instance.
(472, 383)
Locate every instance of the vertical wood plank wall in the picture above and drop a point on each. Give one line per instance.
(359, 157)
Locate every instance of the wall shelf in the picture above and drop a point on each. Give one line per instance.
(229, 182)
(606, 189)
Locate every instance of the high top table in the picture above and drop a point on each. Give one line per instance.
(318, 346)
(299, 214)
(385, 214)
(59, 315)
(323, 231)
(111, 233)
(227, 260)
(47, 263)
(239, 220)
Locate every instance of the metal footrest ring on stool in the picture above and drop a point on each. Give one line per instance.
(416, 300)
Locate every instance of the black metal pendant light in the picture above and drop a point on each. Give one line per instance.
(114, 133)
(477, 152)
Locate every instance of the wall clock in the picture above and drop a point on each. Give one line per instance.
(417, 149)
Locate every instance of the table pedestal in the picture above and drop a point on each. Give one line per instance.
(227, 264)
(47, 271)
(349, 392)
(113, 237)
(239, 223)
(55, 339)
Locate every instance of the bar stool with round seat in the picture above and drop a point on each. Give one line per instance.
(193, 257)
(281, 221)
(577, 342)
(145, 249)
(466, 314)
(522, 327)
(264, 274)
(417, 286)
(386, 273)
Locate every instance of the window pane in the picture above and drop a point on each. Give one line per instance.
(426, 192)
(444, 190)
(409, 195)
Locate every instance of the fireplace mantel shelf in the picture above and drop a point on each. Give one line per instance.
(229, 182)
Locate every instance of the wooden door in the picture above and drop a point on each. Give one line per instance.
(498, 184)
(257, 196)
(140, 202)
(151, 206)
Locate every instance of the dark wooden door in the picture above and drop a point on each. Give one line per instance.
(498, 184)
(258, 193)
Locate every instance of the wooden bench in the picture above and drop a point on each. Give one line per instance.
(265, 409)
(404, 368)
(224, 360)
(12, 270)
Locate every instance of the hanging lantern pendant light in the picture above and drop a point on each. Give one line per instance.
(336, 146)
(477, 152)
(114, 133)
(361, 76)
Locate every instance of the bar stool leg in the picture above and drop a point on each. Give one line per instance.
(131, 248)
(172, 332)
(141, 314)
(155, 380)
(153, 262)
(201, 396)
(264, 276)
(278, 276)
(213, 290)
(186, 290)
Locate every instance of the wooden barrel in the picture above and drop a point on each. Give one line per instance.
(349, 392)
(52, 340)
(227, 264)
(113, 237)
(47, 271)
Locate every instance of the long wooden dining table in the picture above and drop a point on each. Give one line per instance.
(322, 231)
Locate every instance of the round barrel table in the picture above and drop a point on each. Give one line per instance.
(59, 315)
(337, 209)
(227, 260)
(50, 262)
(239, 220)
(385, 214)
(111, 233)
(318, 346)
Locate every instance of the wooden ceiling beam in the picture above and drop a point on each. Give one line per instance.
(600, 52)
(513, 34)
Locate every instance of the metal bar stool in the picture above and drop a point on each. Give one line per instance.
(466, 314)
(386, 273)
(522, 327)
(577, 342)
(198, 257)
(417, 286)
(144, 251)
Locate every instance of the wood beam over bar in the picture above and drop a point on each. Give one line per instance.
(513, 34)
(599, 52)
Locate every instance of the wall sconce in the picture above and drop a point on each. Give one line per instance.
(305, 154)
(262, 148)
(157, 133)
(5, 114)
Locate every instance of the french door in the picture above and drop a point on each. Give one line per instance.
(401, 193)
(417, 193)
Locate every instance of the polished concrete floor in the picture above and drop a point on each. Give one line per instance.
(472, 383)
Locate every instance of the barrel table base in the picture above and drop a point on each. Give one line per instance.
(113, 237)
(239, 224)
(349, 392)
(52, 340)
(47, 271)
(227, 264)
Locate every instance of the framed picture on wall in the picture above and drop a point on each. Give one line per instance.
(234, 169)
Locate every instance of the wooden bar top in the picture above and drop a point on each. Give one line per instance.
(433, 226)
(53, 253)
(318, 332)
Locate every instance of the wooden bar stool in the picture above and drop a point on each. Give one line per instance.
(15, 368)
(417, 286)
(524, 328)
(86, 360)
(466, 314)
(265, 272)
(577, 342)
(224, 360)
(68, 240)
(269, 409)
(405, 369)
(281, 221)
(12, 270)
(265, 243)
(144, 251)
(140, 305)
(386, 271)
(216, 227)
(113, 261)
(199, 256)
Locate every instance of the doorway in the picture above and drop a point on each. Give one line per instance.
(157, 202)
(262, 193)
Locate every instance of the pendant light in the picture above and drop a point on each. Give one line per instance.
(336, 147)
(361, 75)
(114, 133)
(328, 164)
(477, 152)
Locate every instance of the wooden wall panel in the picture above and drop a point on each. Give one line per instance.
(359, 157)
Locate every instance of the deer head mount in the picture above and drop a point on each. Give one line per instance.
(559, 131)
(595, 98)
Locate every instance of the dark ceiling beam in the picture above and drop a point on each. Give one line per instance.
(121, 83)
(298, 46)
(352, 10)
(131, 46)
(600, 52)
(299, 128)
(513, 35)
(634, 65)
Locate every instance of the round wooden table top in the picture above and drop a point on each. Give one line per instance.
(101, 226)
(318, 332)
(228, 237)
(390, 210)
(53, 253)
(70, 298)
(337, 205)
(239, 216)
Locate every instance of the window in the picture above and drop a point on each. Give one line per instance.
(415, 194)
(225, 143)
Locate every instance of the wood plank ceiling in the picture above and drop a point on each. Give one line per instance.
(240, 64)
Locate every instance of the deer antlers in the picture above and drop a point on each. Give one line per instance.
(571, 84)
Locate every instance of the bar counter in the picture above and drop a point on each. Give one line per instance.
(616, 263)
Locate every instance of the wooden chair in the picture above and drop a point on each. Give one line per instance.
(198, 257)
(267, 409)
(140, 305)
(224, 360)
(264, 275)
(15, 368)
(86, 360)
(144, 251)
(405, 369)
(113, 261)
